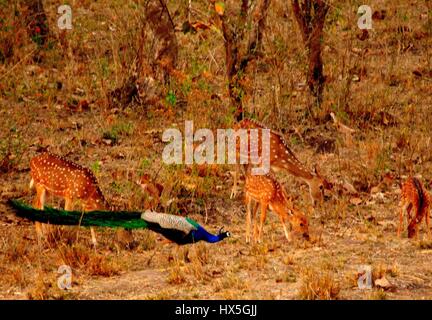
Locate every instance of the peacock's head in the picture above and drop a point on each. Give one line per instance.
(223, 234)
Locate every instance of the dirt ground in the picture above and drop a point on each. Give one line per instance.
(380, 87)
(231, 269)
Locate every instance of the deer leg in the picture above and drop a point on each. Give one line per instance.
(287, 235)
(86, 208)
(427, 221)
(401, 214)
(68, 204)
(92, 230)
(413, 222)
(255, 223)
(264, 206)
(235, 182)
(39, 198)
(69, 207)
(44, 227)
(408, 211)
(93, 237)
(38, 203)
(248, 202)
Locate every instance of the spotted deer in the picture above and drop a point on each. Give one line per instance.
(282, 158)
(267, 192)
(414, 197)
(56, 175)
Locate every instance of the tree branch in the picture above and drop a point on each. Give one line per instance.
(310, 16)
(236, 62)
(255, 40)
(301, 20)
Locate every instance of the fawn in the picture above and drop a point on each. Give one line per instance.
(63, 178)
(282, 158)
(269, 193)
(414, 196)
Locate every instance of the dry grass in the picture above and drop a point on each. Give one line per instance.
(176, 276)
(317, 284)
(379, 294)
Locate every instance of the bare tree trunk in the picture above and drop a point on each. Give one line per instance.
(159, 20)
(150, 69)
(237, 62)
(36, 21)
(310, 16)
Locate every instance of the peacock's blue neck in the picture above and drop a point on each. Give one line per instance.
(202, 234)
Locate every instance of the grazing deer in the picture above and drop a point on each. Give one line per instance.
(269, 193)
(282, 158)
(414, 196)
(63, 178)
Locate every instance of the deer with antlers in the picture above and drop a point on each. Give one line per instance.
(414, 197)
(282, 158)
(268, 193)
(58, 176)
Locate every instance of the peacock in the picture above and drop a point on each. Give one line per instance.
(181, 230)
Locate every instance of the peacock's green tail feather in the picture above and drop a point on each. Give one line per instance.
(113, 219)
(178, 229)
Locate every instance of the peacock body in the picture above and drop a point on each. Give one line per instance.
(181, 230)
